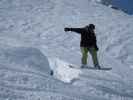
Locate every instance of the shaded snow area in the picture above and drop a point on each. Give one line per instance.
(33, 43)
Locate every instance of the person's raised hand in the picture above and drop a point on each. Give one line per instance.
(67, 29)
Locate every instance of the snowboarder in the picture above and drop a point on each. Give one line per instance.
(88, 43)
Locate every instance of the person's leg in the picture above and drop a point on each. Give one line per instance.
(84, 51)
(93, 53)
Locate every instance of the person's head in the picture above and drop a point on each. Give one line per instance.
(91, 26)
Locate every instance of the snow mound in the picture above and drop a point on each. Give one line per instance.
(62, 71)
(26, 58)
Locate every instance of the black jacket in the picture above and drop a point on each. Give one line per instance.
(88, 37)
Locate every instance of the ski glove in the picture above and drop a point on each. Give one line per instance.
(67, 29)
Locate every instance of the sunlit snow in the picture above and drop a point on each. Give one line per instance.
(33, 42)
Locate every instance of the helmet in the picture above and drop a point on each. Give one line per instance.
(91, 26)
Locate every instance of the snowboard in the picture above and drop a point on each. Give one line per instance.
(91, 68)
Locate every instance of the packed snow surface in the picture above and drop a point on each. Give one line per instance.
(33, 42)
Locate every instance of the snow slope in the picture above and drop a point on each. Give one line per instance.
(32, 33)
(24, 76)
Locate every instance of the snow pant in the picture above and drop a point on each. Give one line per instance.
(93, 53)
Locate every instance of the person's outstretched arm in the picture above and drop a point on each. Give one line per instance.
(77, 30)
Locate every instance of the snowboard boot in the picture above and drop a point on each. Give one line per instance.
(97, 66)
(84, 66)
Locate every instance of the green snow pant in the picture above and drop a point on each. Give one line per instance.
(93, 53)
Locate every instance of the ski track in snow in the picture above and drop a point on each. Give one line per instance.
(26, 25)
